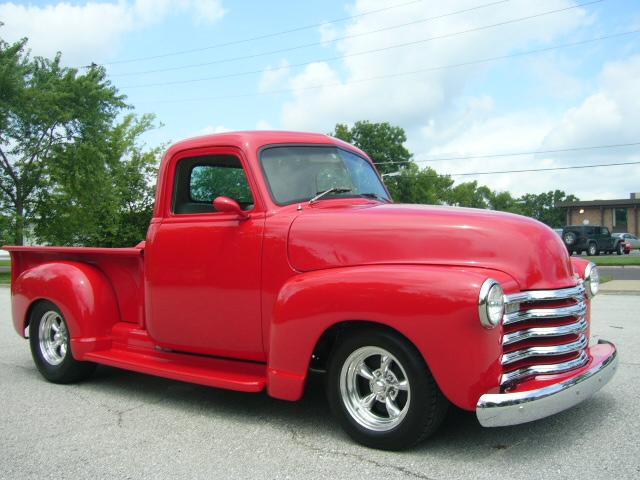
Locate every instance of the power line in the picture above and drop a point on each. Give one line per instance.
(307, 45)
(259, 37)
(393, 75)
(516, 154)
(549, 169)
(366, 52)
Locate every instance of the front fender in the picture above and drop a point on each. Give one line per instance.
(81, 291)
(435, 307)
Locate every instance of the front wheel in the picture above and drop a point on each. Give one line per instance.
(593, 249)
(620, 249)
(51, 346)
(382, 392)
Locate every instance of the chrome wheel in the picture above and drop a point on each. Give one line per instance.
(375, 388)
(53, 338)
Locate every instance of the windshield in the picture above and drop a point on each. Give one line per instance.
(297, 174)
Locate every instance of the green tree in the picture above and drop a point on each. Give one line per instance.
(99, 192)
(468, 194)
(543, 206)
(383, 142)
(44, 107)
(414, 185)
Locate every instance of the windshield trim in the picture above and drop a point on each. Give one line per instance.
(318, 145)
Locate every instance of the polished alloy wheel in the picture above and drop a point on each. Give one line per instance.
(53, 338)
(375, 388)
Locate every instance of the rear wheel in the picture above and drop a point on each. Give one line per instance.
(382, 392)
(51, 346)
(620, 249)
(592, 249)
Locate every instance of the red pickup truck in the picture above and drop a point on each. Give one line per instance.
(271, 254)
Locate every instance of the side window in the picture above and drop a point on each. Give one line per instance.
(200, 180)
(605, 231)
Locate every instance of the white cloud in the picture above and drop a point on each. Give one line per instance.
(414, 100)
(274, 78)
(209, 129)
(263, 125)
(608, 115)
(203, 11)
(328, 32)
(92, 31)
(441, 118)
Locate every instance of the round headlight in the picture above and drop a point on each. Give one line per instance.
(592, 279)
(491, 303)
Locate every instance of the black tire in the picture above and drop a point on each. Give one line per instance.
(620, 249)
(424, 404)
(52, 363)
(569, 238)
(592, 250)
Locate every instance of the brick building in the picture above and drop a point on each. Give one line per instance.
(617, 215)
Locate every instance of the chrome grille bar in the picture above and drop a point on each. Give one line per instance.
(577, 310)
(525, 372)
(545, 332)
(577, 293)
(548, 351)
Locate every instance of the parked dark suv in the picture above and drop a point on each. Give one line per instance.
(591, 238)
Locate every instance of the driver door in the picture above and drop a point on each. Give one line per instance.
(203, 266)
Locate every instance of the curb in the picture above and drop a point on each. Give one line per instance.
(619, 292)
(619, 266)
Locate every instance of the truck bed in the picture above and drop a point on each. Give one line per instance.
(123, 267)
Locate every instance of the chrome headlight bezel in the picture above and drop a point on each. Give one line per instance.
(592, 280)
(491, 303)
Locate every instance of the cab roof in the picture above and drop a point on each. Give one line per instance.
(255, 139)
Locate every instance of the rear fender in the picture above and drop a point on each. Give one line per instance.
(83, 294)
(434, 307)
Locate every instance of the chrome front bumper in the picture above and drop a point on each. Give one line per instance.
(503, 409)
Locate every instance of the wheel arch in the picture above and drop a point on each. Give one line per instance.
(81, 291)
(327, 341)
(435, 308)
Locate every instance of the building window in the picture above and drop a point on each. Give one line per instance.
(619, 219)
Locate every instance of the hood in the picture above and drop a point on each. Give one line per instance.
(331, 236)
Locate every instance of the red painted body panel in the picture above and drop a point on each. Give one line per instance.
(121, 266)
(325, 237)
(434, 307)
(82, 292)
(264, 289)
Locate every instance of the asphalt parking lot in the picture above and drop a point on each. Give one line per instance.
(123, 425)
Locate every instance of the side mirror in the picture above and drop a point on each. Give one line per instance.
(229, 205)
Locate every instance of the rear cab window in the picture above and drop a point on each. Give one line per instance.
(200, 180)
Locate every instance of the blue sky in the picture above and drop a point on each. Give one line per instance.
(579, 96)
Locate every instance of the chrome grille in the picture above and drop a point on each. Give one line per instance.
(545, 332)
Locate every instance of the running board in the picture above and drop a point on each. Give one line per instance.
(213, 372)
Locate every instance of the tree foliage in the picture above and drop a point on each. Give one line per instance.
(69, 172)
(383, 142)
(99, 192)
(414, 185)
(411, 184)
(543, 206)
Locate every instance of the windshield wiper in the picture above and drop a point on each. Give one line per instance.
(377, 196)
(327, 192)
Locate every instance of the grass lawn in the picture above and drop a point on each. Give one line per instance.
(5, 263)
(615, 260)
(5, 278)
